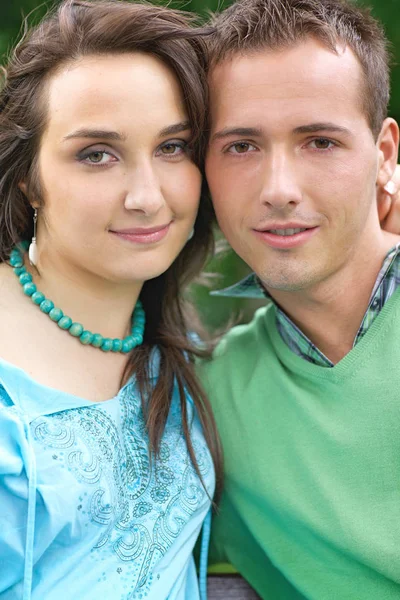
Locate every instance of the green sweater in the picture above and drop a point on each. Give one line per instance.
(311, 507)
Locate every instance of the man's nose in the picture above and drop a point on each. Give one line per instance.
(280, 187)
(144, 193)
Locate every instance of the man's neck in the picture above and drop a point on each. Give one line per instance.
(330, 313)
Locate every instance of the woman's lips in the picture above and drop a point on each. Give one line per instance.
(141, 235)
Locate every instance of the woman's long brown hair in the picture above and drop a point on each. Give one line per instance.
(79, 28)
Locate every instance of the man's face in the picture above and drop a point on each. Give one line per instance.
(292, 163)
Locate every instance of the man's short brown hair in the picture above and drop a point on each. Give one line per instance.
(252, 25)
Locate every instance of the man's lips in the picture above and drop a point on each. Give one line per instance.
(143, 235)
(285, 235)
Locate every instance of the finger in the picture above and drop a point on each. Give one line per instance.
(392, 186)
(392, 221)
(396, 179)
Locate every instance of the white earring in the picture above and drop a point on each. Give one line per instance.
(191, 234)
(33, 252)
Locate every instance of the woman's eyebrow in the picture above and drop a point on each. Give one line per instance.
(176, 128)
(103, 134)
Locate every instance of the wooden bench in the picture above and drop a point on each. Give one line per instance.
(229, 587)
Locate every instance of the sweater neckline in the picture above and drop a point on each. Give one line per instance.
(349, 363)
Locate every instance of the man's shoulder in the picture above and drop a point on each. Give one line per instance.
(238, 338)
(237, 346)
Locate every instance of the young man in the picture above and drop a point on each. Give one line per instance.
(306, 396)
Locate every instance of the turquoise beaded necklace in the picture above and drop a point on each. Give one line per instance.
(77, 330)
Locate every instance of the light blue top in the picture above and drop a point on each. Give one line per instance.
(83, 514)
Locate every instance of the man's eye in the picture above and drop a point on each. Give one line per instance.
(241, 148)
(322, 144)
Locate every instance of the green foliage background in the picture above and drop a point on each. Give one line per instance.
(215, 311)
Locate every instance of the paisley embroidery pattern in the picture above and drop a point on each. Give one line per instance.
(138, 508)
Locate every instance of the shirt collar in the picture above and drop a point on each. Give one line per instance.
(251, 287)
(387, 281)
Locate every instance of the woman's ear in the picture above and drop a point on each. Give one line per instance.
(23, 187)
(388, 147)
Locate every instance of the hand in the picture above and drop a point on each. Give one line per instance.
(389, 204)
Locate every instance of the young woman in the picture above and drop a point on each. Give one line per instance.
(108, 448)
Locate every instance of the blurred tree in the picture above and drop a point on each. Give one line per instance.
(11, 16)
(388, 11)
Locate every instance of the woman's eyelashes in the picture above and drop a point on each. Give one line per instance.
(96, 157)
(173, 149)
(102, 157)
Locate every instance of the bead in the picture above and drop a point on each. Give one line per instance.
(127, 345)
(56, 314)
(46, 306)
(97, 340)
(65, 322)
(76, 329)
(38, 297)
(29, 289)
(116, 345)
(86, 337)
(16, 261)
(25, 278)
(106, 345)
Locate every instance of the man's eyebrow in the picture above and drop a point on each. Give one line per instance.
(174, 129)
(237, 131)
(316, 127)
(103, 134)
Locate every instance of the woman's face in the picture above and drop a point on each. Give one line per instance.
(120, 192)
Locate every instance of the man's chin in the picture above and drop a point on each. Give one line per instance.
(286, 281)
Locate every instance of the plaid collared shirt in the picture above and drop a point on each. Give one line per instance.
(386, 283)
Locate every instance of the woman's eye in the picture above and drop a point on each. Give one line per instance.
(97, 157)
(322, 144)
(241, 148)
(172, 148)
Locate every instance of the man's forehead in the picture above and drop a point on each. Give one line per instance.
(306, 73)
(310, 54)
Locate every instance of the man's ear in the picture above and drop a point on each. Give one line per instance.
(388, 148)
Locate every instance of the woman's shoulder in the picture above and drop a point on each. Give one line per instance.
(13, 435)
